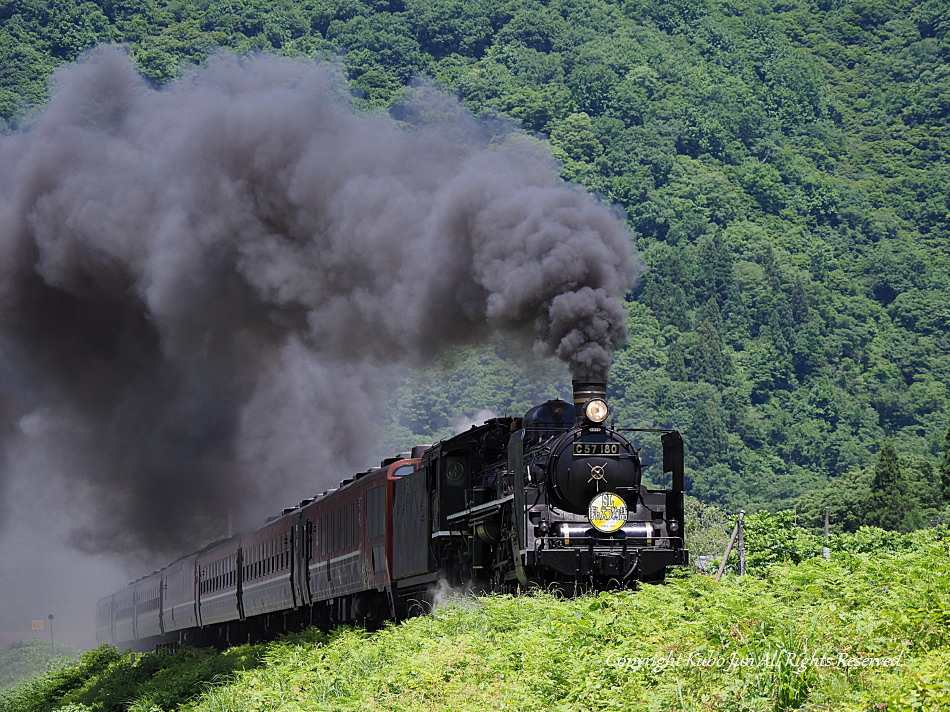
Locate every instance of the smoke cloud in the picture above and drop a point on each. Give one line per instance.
(204, 288)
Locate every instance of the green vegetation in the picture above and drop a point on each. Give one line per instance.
(24, 659)
(867, 629)
(783, 164)
(104, 679)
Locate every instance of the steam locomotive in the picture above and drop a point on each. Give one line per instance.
(554, 499)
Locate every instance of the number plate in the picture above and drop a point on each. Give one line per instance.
(599, 449)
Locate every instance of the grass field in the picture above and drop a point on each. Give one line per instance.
(865, 630)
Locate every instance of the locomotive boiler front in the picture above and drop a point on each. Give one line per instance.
(592, 466)
(582, 510)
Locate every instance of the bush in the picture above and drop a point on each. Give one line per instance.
(774, 537)
(24, 659)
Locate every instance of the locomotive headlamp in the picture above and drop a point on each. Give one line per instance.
(596, 410)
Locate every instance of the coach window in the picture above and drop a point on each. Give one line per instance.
(334, 530)
(376, 512)
(350, 511)
(345, 526)
(349, 526)
(325, 540)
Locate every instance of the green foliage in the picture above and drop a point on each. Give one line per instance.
(889, 505)
(944, 469)
(43, 693)
(774, 537)
(24, 659)
(900, 493)
(102, 680)
(870, 625)
(707, 529)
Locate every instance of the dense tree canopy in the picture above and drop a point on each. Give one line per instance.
(784, 166)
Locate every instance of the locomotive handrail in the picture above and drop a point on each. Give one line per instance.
(646, 430)
(609, 539)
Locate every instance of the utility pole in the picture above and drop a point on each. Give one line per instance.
(51, 646)
(740, 547)
(732, 540)
(826, 551)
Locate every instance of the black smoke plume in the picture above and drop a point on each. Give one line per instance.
(204, 287)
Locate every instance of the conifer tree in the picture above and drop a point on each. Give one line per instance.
(943, 469)
(889, 504)
(676, 363)
(710, 364)
(707, 434)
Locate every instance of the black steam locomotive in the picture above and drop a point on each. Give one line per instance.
(555, 498)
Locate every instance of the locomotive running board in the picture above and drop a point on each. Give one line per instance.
(417, 580)
(495, 504)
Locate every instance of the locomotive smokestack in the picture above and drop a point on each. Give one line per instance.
(584, 392)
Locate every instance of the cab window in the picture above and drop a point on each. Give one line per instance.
(404, 470)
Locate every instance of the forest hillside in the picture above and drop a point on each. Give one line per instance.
(784, 166)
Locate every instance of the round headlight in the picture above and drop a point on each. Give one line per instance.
(596, 410)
